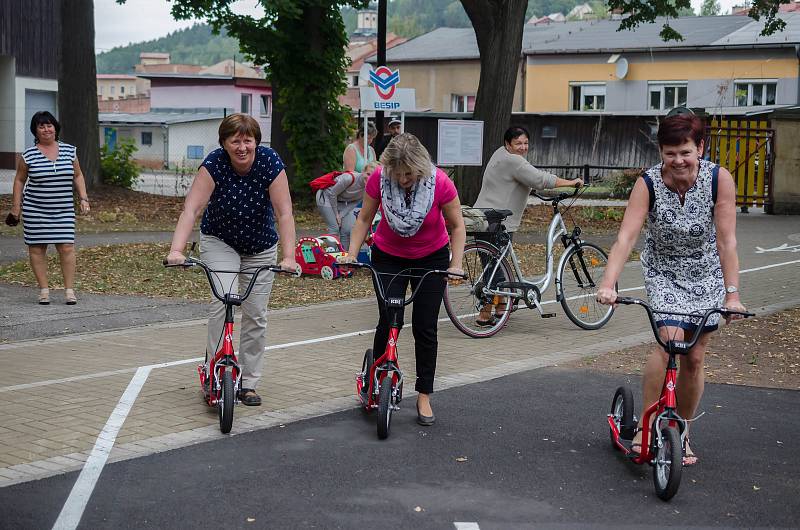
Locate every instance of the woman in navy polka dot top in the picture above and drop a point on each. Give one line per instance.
(243, 192)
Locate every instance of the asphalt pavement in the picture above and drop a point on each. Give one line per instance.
(526, 450)
(530, 450)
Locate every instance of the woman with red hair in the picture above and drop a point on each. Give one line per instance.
(689, 259)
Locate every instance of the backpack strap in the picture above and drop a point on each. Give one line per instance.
(714, 183)
(650, 190)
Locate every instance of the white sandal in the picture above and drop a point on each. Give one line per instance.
(44, 296)
(69, 296)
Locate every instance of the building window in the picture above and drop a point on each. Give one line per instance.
(755, 93)
(194, 152)
(246, 100)
(460, 103)
(266, 106)
(147, 138)
(111, 89)
(132, 90)
(122, 90)
(587, 96)
(354, 81)
(666, 96)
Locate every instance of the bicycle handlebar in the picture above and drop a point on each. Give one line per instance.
(561, 196)
(379, 285)
(194, 262)
(624, 300)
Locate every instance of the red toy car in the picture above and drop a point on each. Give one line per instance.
(317, 255)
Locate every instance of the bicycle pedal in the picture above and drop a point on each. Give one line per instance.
(548, 315)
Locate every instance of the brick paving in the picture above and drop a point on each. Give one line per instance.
(58, 393)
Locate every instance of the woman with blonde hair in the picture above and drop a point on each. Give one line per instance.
(242, 191)
(416, 199)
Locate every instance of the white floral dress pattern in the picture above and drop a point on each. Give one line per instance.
(680, 262)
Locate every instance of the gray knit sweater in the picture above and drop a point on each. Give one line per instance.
(507, 184)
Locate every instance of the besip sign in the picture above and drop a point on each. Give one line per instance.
(384, 93)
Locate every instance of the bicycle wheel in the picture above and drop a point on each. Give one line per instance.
(668, 464)
(464, 301)
(385, 407)
(622, 415)
(580, 275)
(225, 403)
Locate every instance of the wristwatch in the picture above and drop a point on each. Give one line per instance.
(731, 289)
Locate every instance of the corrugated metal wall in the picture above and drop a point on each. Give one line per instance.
(30, 32)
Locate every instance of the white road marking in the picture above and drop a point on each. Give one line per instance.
(73, 509)
(467, 526)
(782, 248)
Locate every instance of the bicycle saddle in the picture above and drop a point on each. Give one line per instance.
(496, 215)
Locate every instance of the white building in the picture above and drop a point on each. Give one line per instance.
(165, 138)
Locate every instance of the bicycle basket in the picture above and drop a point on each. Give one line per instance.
(474, 220)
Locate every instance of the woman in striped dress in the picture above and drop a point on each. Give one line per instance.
(43, 194)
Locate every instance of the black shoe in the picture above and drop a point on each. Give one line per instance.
(249, 397)
(425, 421)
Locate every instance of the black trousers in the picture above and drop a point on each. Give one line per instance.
(425, 308)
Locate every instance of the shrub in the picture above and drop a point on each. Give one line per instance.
(117, 166)
(624, 181)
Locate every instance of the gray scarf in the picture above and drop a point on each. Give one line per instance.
(406, 218)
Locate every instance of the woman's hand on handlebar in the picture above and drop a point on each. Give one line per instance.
(288, 264)
(734, 305)
(175, 257)
(457, 275)
(607, 296)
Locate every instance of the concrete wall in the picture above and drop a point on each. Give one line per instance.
(709, 77)
(786, 177)
(182, 135)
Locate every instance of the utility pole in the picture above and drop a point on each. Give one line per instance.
(381, 57)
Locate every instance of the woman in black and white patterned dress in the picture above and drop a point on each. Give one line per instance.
(43, 195)
(689, 259)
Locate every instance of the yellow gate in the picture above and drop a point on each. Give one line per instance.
(746, 148)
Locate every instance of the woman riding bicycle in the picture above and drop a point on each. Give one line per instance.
(415, 199)
(242, 190)
(689, 258)
(507, 184)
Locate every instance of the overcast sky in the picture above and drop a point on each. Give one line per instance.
(141, 20)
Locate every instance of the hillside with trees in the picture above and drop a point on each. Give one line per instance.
(194, 45)
(411, 18)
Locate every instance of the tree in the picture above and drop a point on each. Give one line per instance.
(498, 28)
(710, 8)
(302, 43)
(77, 86)
(646, 12)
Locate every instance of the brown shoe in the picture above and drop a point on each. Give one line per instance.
(249, 397)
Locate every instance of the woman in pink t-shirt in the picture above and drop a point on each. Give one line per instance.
(415, 199)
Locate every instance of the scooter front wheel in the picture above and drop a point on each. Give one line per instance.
(385, 407)
(225, 403)
(668, 464)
